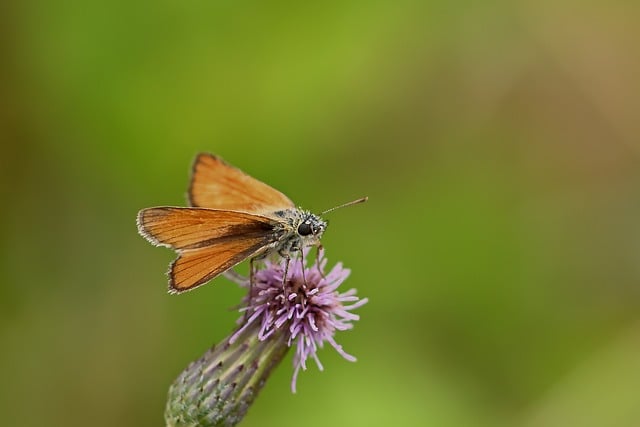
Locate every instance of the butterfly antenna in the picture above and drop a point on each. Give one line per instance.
(354, 202)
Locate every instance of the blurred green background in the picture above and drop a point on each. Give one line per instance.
(497, 141)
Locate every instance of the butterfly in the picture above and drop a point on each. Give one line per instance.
(233, 217)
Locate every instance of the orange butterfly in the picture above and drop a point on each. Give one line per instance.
(234, 217)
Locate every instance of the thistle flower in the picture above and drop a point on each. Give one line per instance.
(218, 389)
(308, 307)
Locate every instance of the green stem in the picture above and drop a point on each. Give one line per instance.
(218, 388)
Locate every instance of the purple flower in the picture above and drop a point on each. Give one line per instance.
(308, 309)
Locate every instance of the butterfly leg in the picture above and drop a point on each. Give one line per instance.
(304, 277)
(287, 260)
(319, 248)
(235, 277)
(252, 271)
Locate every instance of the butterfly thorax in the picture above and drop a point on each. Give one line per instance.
(299, 229)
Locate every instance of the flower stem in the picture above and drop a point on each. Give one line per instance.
(218, 388)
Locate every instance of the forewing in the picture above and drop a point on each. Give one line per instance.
(192, 228)
(208, 241)
(218, 185)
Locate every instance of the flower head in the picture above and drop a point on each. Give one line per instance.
(307, 307)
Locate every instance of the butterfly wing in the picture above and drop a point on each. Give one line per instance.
(196, 267)
(218, 185)
(208, 241)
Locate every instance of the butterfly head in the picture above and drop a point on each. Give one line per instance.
(311, 228)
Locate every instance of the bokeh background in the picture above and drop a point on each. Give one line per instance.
(498, 143)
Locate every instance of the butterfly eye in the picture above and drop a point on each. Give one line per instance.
(304, 229)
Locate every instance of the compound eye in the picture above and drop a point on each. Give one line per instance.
(304, 229)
